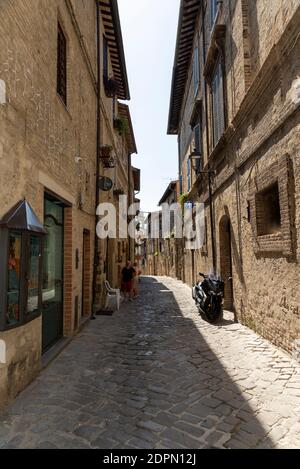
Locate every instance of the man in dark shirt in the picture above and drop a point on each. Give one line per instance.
(128, 274)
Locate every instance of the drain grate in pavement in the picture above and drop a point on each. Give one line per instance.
(104, 312)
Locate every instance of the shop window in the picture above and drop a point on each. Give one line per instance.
(21, 242)
(268, 216)
(35, 249)
(14, 276)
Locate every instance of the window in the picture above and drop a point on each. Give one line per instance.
(213, 12)
(61, 64)
(268, 216)
(272, 209)
(218, 107)
(198, 146)
(196, 71)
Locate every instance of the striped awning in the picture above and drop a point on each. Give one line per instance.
(113, 33)
(189, 10)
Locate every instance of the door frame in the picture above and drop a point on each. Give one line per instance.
(226, 266)
(52, 197)
(86, 234)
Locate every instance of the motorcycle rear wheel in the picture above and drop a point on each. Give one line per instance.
(215, 315)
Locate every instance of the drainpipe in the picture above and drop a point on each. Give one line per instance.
(129, 201)
(209, 166)
(96, 256)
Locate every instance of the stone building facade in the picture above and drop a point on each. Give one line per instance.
(116, 132)
(50, 156)
(162, 254)
(235, 108)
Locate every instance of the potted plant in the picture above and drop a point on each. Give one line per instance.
(184, 198)
(111, 87)
(106, 151)
(110, 162)
(120, 124)
(118, 192)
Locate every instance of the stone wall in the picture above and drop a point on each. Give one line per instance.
(46, 145)
(23, 354)
(260, 147)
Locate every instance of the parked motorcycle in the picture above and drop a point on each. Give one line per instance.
(209, 298)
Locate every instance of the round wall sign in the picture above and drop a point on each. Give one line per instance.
(105, 184)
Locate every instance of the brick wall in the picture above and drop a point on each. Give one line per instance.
(41, 139)
(260, 148)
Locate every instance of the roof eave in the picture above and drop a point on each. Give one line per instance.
(173, 121)
(117, 23)
(171, 130)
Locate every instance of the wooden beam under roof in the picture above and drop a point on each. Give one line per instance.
(112, 30)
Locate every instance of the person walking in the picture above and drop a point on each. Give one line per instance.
(128, 274)
(136, 280)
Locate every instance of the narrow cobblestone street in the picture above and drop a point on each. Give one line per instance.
(155, 375)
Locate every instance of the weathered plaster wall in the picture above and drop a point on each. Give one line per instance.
(23, 354)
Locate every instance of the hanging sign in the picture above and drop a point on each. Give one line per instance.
(105, 184)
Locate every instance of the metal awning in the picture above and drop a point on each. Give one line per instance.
(22, 217)
(113, 33)
(189, 10)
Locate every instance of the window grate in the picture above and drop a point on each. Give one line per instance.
(61, 64)
(218, 103)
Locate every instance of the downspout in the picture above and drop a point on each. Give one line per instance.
(129, 201)
(207, 143)
(97, 198)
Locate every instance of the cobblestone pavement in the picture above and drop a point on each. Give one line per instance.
(155, 375)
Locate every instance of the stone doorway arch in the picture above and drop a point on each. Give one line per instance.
(226, 261)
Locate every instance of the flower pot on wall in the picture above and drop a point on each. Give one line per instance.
(111, 87)
(120, 125)
(105, 151)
